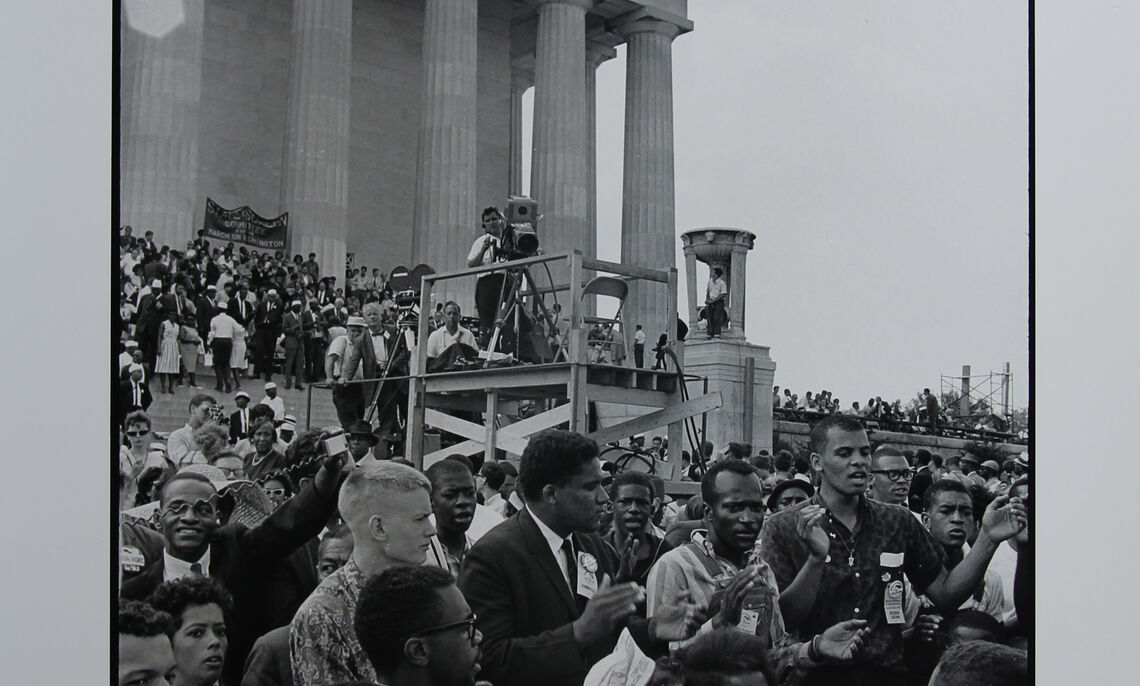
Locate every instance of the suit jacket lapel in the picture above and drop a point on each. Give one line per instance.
(546, 563)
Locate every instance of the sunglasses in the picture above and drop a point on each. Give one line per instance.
(274, 492)
(468, 623)
(137, 433)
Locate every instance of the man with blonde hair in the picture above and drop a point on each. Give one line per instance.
(387, 506)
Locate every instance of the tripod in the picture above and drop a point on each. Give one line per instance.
(388, 410)
(510, 298)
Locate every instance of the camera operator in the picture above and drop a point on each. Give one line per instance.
(489, 287)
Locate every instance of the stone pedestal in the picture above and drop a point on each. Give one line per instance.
(722, 361)
(647, 218)
(446, 218)
(558, 170)
(722, 247)
(159, 164)
(315, 187)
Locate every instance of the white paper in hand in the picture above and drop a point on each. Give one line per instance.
(626, 666)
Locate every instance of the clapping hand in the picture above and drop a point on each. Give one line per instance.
(609, 606)
(1004, 518)
(843, 641)
(627, 559)
(676, 622)
(926, 625)
(734, 594)
(809, 529)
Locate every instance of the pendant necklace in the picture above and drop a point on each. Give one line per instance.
(850, 547)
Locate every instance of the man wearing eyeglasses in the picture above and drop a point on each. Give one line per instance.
(417, 629)
(238, 557)
(890, 476)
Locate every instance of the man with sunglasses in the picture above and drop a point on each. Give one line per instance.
(417, 629)
(240, 558)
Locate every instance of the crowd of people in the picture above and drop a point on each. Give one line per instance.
(311, 566)
(926, 415)
(256, 554)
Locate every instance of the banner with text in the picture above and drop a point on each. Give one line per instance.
(243, 225)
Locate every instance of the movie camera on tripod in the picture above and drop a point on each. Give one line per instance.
(406, 287)
(519, 237)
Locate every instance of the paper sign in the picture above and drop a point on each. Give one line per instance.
(626, 666)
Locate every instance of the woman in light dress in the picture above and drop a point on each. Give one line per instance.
(167, 364)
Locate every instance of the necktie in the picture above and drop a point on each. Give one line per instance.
(244, 422)
(571, 565)
(196, 569)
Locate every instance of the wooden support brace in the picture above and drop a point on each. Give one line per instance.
(669, 415)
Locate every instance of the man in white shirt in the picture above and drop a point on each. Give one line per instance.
(450, 333)
(221, 340)
(126, 357)
(716, 294)
(639, 347)
(180, 444)
(274, 401)
(350, 358)
(484, 251)
(374, 317)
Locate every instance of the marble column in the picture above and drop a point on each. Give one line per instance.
(446, 217)
(737, 289)
(315, 184)
(558, 165)
(519, 85)
(648, 223)
(595, 55)
(159, 163)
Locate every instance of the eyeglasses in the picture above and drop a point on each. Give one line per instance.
(233, 472)
(274, 492)
(895, 474)
(469, 623)
(137, 433)
(202, 508)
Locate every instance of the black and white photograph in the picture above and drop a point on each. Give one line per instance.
(573, 342)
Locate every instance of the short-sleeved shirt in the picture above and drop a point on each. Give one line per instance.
(441, 340)
(886, 538)
(339, 347)
(323, 648)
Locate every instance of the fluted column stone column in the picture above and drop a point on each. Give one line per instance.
(315, 185)
(446, 219)
(159, 166)
(648, 218)
(519, 84)
(595, 55)
(558, 168)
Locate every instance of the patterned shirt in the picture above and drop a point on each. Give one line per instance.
(887, 542)
(322, 642)
(682, 575)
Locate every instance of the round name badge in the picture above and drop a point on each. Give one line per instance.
(589, 563)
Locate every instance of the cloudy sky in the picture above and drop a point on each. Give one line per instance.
(878, 150)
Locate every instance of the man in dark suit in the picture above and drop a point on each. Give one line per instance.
(206, 307)
(148, 318)
(240, 421)
(238, 557)
(267, 324)
(549, 626)
(239, 306)
(133, 393)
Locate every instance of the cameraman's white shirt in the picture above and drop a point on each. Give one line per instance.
(489, 255)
